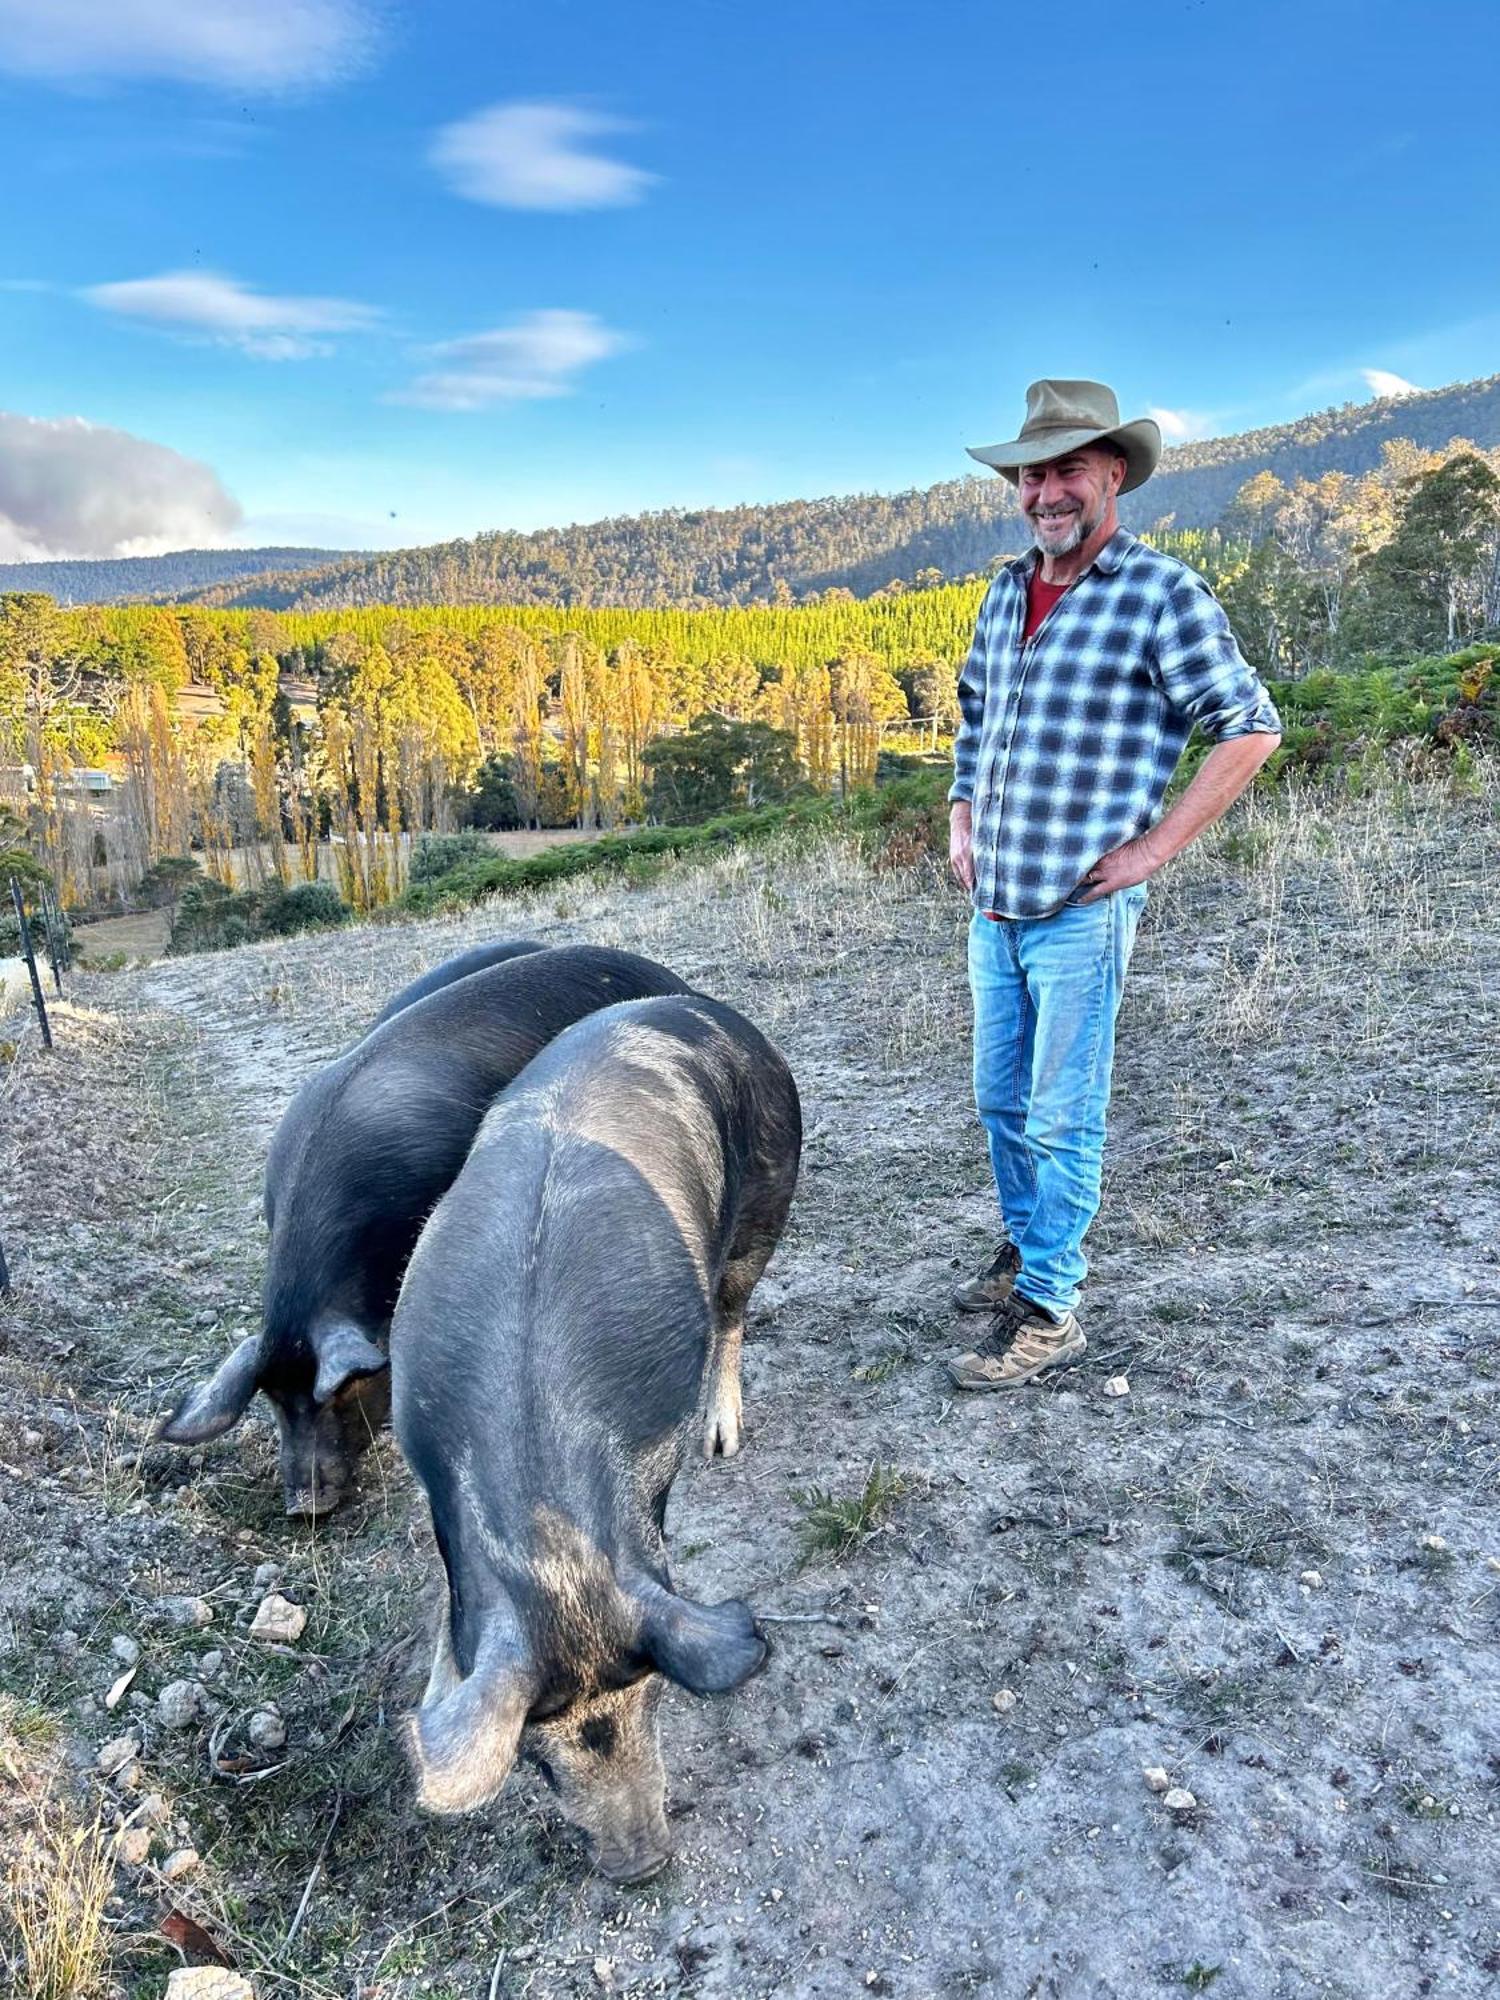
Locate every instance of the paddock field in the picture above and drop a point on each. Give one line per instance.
(1272, 1569)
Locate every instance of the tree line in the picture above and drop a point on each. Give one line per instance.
(261, 742)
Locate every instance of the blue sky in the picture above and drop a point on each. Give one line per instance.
(386, 271)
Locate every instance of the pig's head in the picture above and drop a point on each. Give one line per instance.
(331, 1393)
(589, 1725)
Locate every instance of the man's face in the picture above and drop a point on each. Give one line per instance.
(1066, 500)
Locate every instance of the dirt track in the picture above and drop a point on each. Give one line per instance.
(1223, 1573)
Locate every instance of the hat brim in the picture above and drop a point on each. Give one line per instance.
(1140, 442)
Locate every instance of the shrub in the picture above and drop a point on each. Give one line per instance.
(166, 879)
(435, 853)
(209, 917)
(308, 906)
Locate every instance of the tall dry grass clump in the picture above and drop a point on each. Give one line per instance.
(56, 1887)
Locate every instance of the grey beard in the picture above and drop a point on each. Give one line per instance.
(1082, 528)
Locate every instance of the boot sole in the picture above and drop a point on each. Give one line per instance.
(1064, 1358)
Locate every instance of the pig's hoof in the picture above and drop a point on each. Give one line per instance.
(721, 1434)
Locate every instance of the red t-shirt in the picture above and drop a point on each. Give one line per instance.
(1040, 598)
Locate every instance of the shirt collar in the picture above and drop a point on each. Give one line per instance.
(1108, 560)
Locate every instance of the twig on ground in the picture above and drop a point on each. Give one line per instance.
(317, 1869)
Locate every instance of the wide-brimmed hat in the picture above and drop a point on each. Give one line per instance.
(1063, 417)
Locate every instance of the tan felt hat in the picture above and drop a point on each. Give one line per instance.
(1063, 417)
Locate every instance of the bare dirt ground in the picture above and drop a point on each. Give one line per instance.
(1272, 1569)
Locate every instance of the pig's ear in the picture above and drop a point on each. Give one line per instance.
(706, 1648)
(343, 1352)
(463, 1743)
(216, 1405)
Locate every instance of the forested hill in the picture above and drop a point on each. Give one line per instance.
(174, 575)
(787, 551)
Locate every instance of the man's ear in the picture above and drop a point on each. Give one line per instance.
(705, 1648)
(343, 1352)
(216, 1405)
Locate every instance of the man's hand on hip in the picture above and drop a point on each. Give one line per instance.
(1121, 868)
(961, 843)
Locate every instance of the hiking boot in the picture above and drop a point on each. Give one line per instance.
(994, 1284)
(1022, 1343)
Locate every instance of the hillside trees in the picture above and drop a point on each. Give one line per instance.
(720, 765)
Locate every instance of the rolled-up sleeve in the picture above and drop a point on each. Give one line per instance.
(1201, 669)
(970, 709)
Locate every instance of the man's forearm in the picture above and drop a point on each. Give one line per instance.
(1221, 777)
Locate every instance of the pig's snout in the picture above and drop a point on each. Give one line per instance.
(315, 1470)
(637, 1851)
(634, 1868)
(306, 1503)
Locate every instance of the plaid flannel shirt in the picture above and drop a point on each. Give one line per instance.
(1068, 740)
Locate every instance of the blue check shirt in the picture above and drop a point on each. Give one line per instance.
(1067, 742)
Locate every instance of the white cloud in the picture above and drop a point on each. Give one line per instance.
(204, 306)
(71, 488)
(1381, 382)
(1179, 426)
(537, 355)
(530, 156)
(257, 45)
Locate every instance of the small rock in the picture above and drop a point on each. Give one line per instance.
(208, 1982)
(179, 1863)
(186, 1611)
(1004, 1700)
(1312, 1578)
(125, 1649)
(1436, 1544)
(604, 1973)
(211, 1662)
(1179, 1801)
(267, 1731)
(133, 1845)
(278, 1621)
(1156, 1778)
(267, 1576)
(130, 1777)
(118, 1752)
(1117, 1385)
(152, 1810)
(179, 1703)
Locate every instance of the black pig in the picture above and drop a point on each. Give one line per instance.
(478, 958)
(365, 1149)
(572, 1311)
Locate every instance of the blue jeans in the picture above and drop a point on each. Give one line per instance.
(1046, 992)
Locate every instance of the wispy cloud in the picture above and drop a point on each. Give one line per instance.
(536, 156)
(202, 305)
(1179, 426)
(1381, 382)
(536, 356)
(71, 488)
(256, 45)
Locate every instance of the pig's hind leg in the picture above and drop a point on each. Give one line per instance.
(723, 1409)
(758, 1230)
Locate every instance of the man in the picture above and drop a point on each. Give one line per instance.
(1093, 658)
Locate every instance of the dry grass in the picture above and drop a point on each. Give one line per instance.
(57, 1885)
